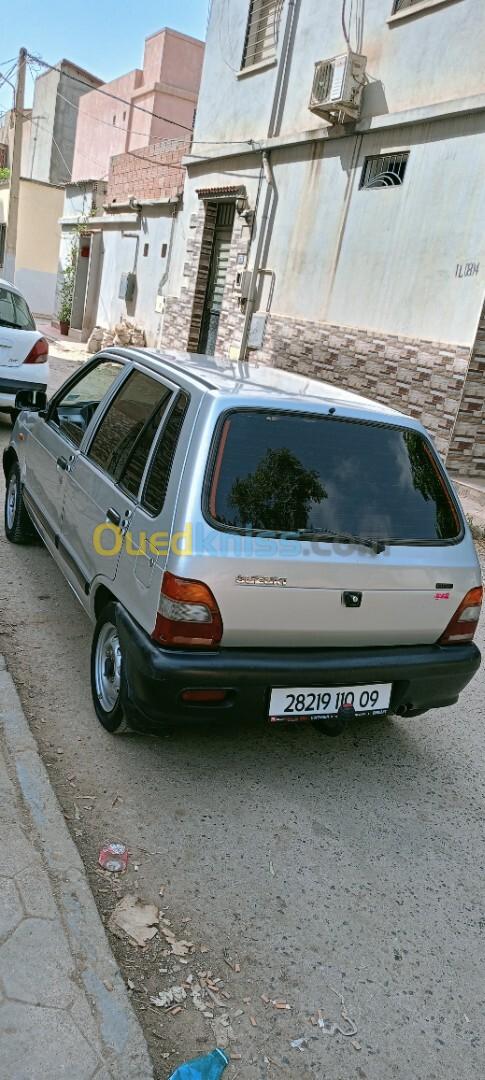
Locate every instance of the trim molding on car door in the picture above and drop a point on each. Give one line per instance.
(65, 554)
(37, 513)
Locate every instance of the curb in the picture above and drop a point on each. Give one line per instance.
(126, 1051)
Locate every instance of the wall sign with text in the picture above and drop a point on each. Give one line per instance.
(468, 269)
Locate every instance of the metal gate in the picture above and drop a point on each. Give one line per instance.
(216, 278)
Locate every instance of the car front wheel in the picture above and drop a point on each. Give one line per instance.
(107, 673)
(18, 526)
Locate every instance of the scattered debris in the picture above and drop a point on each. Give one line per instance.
(253, 1021)
(113, 857)
(222, 1030)
(179, 948)
(174, 995)
(109, 985)
(130, 984)
(161, 890)
(356, 1045)
(299, 1044)
(281, 1004)
(210, 1067)
(135, 918)
(272, 869)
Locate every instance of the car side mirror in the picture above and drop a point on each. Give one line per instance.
(36, 400)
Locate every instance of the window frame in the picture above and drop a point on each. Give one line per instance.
(419, 7)
(404, 154)
(154, 448)
(76, 377)
(169, 385)
(308, 414)
(252, 65)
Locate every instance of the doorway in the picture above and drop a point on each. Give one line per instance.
(216, 278)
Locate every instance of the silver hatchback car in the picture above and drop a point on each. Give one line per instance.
(246, 541)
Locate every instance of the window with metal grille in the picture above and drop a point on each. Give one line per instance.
(400, 4)
(384, 170)
(262, 31)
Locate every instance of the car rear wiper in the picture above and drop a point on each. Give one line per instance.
(5, 322)
(345, 538)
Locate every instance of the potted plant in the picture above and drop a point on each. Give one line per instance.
(66, 291)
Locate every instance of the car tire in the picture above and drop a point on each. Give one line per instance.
(19, 528)
(107, 673)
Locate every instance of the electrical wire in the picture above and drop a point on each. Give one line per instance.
(107, 93)
(130, 104)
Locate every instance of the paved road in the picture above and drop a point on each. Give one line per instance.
(355, 864)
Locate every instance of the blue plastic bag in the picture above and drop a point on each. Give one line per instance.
(210, 1067)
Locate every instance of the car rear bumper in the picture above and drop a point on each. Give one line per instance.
(9, 388)
(423, 676)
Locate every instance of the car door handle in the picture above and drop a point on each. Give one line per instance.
(62, 464)
(113, 516)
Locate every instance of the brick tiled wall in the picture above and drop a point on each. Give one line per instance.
(422, 378)
(467, 450)
(152, 172)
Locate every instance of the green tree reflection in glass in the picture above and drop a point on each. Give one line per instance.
(278, 495)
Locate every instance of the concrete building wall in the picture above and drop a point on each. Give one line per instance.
(143, 248)
(379, 289)
(405, 62)
(43, 120)
(38, 239)
(103, 126)
(54, 119)
(167, 87)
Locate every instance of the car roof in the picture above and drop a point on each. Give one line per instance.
(232, 379)
(8, 285)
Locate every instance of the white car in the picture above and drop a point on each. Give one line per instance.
(23, 350)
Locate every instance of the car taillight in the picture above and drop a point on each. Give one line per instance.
(465, 620)
(38, 354)
(187, 613)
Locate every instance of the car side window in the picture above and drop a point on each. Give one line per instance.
(74, 410)
(158, 476)
(122, 442)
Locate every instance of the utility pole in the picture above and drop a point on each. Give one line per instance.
(13, 201)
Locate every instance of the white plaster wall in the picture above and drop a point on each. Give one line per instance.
(120, 256)
(430, 56)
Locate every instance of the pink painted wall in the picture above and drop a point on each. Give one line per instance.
(168, 85)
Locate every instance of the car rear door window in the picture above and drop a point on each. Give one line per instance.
(73, 410)
(122, 442)
(161, 464)
(14, 311)
(314, 476)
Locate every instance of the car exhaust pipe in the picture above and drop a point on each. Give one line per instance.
(335, 725)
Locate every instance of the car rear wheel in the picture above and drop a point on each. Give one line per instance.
(107, 673)
(19, 529)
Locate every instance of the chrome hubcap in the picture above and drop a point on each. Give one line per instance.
(12, 495)
(107, 667)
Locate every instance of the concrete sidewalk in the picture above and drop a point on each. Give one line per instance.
(64, 1009)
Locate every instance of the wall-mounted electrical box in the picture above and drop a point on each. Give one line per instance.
(127, 287)
(243, 283)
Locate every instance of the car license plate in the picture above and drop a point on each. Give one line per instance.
(302, 702)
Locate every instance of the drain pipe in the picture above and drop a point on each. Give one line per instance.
(273, 129)
(268, 199)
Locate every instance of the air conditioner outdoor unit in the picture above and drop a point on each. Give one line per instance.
(337, 86)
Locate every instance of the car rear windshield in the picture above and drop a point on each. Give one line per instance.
(295, 473)
(14, 311)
